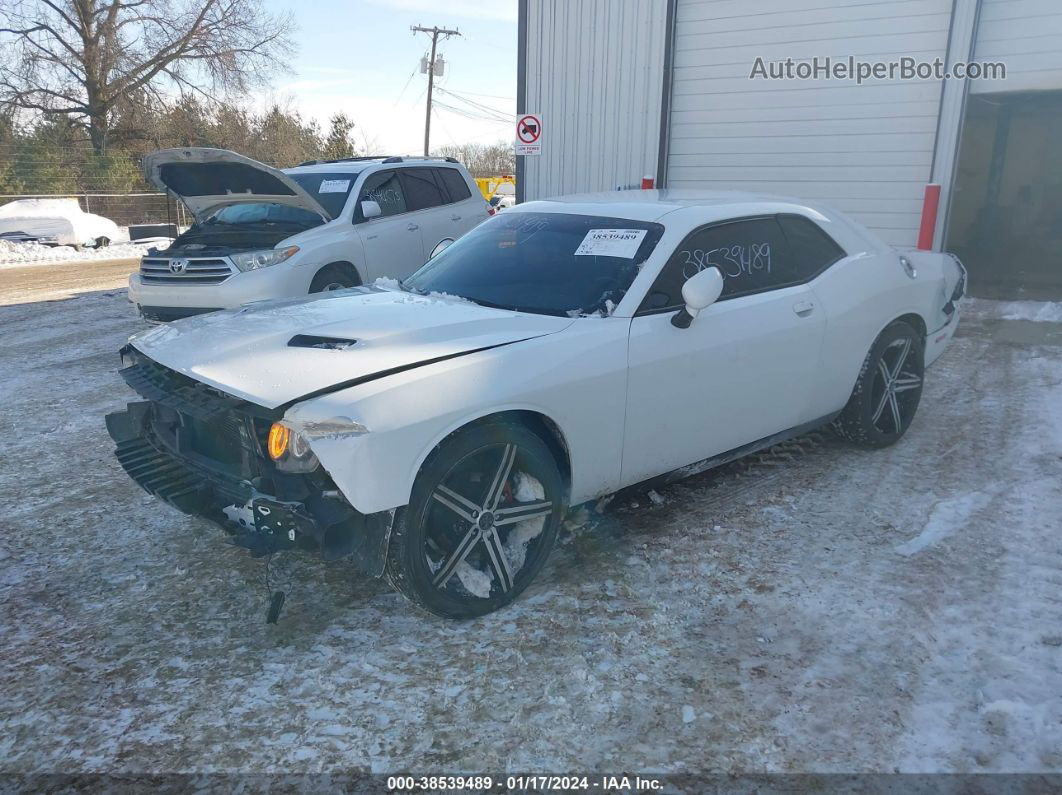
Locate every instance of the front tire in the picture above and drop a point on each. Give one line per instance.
(482, 519)
(332, 277)
(888, 390)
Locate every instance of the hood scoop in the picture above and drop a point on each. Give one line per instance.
(324, 343)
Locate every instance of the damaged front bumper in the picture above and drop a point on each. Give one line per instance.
(263, 509)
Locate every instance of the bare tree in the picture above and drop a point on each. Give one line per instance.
(82, 59)
(482, 160)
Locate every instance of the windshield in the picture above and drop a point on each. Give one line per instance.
(262, 213)
(330, 190)
(546, 263)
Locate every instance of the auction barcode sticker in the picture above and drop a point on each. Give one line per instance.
(611, 243)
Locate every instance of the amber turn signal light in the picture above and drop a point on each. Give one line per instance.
(279, 436)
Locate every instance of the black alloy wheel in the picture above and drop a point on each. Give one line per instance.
(887, 393)
(482, 520)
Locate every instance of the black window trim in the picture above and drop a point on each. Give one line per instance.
(773, 216)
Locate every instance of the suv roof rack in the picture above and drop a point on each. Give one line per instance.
(382, 158)
(403, 158)
(344, 160)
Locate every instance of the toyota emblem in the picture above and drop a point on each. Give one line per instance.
(178, 265)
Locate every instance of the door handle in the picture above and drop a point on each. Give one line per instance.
(804, 308)
(455, 217)
(413, 227)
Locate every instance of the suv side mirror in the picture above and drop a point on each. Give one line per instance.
(699, 292)
(370, 209)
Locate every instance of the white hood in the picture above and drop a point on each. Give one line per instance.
(249, 352)
(207, 178)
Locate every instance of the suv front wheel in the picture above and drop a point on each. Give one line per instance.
(333, 277)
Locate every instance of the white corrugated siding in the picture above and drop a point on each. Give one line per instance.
(594, 70)
(867, 150)
(1026, 35)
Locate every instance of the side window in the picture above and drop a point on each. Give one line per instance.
(455, 184)
(811, 248)
(421, 189)
(385, 189)
(752, 255)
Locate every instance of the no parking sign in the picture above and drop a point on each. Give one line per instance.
(529, 134)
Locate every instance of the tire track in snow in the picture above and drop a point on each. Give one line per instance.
(990, 698)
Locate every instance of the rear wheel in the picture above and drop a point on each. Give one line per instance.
(333, 277)
(482, 519)
(888, 390)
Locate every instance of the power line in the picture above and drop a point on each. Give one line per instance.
(402, 93)
(500, 114)
(488, 96)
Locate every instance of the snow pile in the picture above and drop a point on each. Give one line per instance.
(13, 255)
(947, 517)
(1038, 311)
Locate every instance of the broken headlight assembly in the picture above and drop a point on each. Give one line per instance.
(252, 260)
(289, 449)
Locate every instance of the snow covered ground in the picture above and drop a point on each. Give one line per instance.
(819, 608)
(18, 255)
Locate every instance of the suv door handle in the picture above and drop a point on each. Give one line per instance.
(804, 308)
(413, 227)
(455, 217)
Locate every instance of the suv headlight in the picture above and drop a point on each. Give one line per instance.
(290, 450)
(252, 260)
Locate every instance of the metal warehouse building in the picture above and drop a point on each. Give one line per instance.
(628, 88)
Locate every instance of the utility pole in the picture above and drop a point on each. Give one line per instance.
(435, 33)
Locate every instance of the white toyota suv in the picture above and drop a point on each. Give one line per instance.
(262, 233)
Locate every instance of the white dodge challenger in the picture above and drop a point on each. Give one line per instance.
(436, 431)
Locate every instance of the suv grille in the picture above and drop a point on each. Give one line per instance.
(184, 270)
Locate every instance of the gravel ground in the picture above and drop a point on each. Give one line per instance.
(820, 608)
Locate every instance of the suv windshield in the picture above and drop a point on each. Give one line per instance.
(330, 190)
(262, 213)
(546, 263)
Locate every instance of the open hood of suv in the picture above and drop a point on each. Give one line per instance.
(278, 352)
(207, 178)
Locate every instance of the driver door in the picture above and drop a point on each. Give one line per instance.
(742, 371)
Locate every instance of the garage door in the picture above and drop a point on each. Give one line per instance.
(867, 150)
(1026, 35)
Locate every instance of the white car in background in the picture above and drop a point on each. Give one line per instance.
(437, 431)
(57, 222)
(263, 233)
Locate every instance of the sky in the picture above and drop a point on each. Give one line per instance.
(360, 57)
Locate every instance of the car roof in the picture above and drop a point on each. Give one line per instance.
(651, 205)
(359, 164)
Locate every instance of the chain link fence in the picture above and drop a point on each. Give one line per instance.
(122, 208)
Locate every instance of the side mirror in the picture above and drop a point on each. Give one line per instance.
(699, 292)
(370, 209)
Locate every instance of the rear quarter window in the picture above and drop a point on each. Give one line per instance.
(811, 249)
(455, 184)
